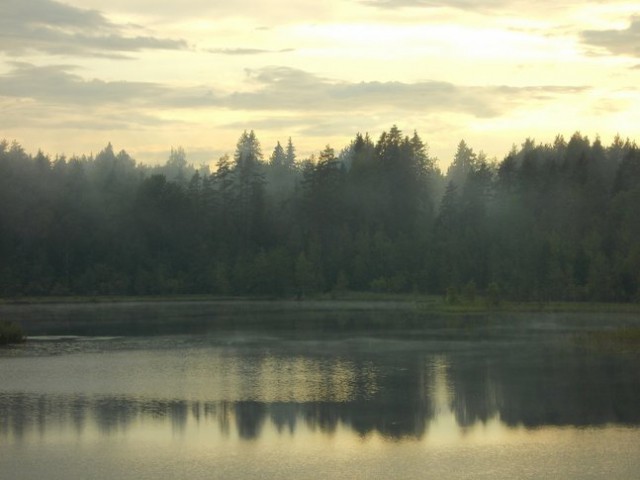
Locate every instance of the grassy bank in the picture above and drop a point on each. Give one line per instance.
(422, 302)
(111, 299)
(620, 340)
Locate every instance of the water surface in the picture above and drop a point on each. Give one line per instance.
(271, 390)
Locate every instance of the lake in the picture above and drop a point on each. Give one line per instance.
(316, 390)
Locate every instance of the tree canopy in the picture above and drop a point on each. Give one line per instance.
(549, 222)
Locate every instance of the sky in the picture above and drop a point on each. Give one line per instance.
(149, 75)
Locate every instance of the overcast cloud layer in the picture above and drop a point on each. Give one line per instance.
(75, 74)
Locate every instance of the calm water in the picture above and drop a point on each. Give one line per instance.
(277, 391)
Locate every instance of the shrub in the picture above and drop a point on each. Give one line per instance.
(469, 292)
(10, 332)
(494, 296)
(451, 296)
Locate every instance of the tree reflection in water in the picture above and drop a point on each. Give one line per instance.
(412, 391)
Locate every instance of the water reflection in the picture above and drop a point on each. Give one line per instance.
(397, 396)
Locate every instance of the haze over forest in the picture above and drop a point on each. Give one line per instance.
(551, 221)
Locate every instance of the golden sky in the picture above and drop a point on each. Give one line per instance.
(147, 75)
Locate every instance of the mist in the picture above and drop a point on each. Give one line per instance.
(548, 222)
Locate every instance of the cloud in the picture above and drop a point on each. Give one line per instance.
(246, 51)
(55, 28)
(618, 42)
(45, 117)
(58, 84)
(282, 88)
(519, 8)
(276, 89)
(49, 12)
(459, 4)
(272, 122)
(469, 5)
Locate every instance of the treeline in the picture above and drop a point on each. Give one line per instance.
(556, 221)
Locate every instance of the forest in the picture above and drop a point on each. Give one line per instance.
(548, 222)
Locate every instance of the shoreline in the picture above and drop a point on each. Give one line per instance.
(422, 303)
